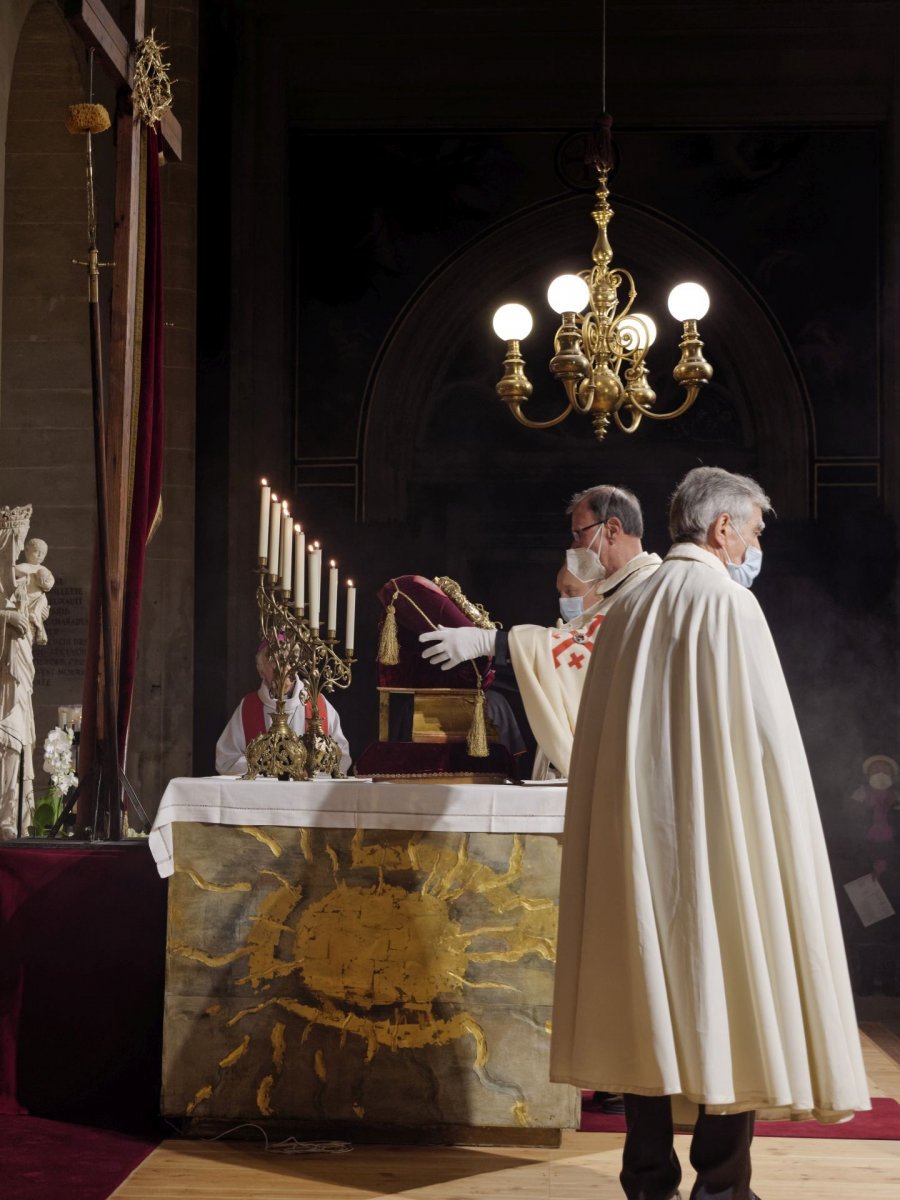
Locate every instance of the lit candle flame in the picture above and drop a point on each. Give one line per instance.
(298, 529)
(264, 482)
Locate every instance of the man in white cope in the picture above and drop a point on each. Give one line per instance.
(550, 664)
(700, 969)
(253, 716)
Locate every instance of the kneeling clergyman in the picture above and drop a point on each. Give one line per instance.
(717, 977)
(550, 664)
(253, 716)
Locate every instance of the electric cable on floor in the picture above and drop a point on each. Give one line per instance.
(288, 1145)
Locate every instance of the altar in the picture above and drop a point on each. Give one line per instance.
(363, 960)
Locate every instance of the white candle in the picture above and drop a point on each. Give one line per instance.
(315, 584)
(332, 596)
(287, 550)
(351, 619)
(264, 502)
(299, 567)
(274, 535)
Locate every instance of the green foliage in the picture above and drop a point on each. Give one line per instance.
(47, 810)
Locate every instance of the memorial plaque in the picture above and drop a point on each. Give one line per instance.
(60, 664)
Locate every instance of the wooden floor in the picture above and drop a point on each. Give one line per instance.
(585, 1167)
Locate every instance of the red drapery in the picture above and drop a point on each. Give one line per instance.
(147, 438)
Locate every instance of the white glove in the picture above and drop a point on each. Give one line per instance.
(454, 646)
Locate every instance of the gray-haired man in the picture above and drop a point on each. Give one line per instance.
(716, 982)
(551, 664)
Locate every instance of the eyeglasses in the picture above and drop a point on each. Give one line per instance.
(576, 533)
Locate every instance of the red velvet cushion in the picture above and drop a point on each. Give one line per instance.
(413, 671)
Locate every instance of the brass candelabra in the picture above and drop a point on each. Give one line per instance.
(296, 651)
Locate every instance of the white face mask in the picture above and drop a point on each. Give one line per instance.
(571, 607)
(584, 562)
(880, 781)
(745, 572)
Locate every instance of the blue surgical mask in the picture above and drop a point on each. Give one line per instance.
(745, 572)
(571, 607)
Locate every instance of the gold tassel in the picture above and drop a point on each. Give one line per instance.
(476, 742)
(388, 645)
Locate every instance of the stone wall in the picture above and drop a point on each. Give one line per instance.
(46, 450)
(46, 445)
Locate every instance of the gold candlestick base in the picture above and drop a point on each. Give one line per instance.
(321, 750)
(279, 753)
(297, 652)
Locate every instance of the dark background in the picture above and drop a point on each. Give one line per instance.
(374, 181)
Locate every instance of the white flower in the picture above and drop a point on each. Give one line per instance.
(58, 759)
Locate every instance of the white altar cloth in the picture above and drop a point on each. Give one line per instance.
(354, 804)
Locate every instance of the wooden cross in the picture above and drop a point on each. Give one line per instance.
(116, 53)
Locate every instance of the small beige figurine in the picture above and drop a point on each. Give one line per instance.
(38, 581)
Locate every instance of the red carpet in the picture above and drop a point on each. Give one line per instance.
(49, 1160)
(881, 1124)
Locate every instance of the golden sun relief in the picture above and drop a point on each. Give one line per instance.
(331, 974)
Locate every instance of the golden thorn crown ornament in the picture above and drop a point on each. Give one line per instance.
(600, 348)
(152, 92)
(476, 613)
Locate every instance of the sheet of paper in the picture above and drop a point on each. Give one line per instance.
(869, 899)
(539, 782)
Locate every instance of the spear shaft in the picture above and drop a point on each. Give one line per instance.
(106, 804)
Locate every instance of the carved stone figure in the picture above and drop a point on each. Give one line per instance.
(16, 675)
(38, 581)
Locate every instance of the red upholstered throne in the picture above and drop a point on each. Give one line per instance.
(430, 721)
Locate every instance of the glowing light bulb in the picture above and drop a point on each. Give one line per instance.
(637, 331)
(512, 322)
(568, 293)
(688, 302)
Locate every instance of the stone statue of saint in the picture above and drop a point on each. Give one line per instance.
(23, 610)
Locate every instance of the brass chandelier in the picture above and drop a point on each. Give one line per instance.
(600, 348)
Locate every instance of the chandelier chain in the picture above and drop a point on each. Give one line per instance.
(603, 56)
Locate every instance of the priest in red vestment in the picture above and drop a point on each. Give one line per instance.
(254, 716)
